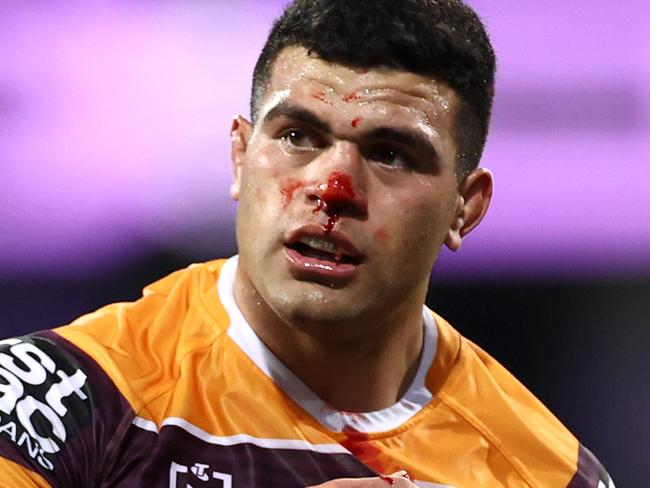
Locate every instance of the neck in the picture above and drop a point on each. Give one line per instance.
(366, 372)
(358, 377)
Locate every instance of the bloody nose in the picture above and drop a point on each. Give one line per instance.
(338, 190)
(338, 197)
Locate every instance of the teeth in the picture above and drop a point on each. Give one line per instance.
(319, 244)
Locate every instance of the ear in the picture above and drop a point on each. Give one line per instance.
(474, 195)
(240, 134)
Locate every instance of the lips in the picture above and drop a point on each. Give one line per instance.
(314, 254)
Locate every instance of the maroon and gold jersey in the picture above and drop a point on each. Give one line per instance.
(176, 390)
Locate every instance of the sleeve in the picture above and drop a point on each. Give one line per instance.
(590, 473)
(58, 414)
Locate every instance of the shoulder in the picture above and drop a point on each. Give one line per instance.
(140, 344)
(57, 409)
(68, 394)
(508, 416)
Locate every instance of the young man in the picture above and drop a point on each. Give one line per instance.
(310, 359)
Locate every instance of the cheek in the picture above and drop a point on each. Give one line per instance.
(382, 235)
(263, 152)
(420, 230)
(288, 188)
(259, 203)
(260, 181)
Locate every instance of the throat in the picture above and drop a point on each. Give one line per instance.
(352, 382)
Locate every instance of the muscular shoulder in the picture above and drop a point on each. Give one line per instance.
(141, 344)
(57, 409)
(66, 395)
(512, 420)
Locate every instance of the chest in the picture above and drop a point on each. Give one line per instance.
(181, 455)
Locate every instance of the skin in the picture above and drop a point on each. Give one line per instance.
(400, 480)
(355, 344)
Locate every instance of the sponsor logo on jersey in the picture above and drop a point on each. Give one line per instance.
(38, 390)
(199, 475)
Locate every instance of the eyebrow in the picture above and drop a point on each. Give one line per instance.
(404, 136)
(291, 111)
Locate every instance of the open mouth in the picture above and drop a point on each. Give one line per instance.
(324, 250)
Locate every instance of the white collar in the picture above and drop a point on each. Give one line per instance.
(416, 397)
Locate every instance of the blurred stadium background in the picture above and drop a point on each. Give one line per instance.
(114, 170)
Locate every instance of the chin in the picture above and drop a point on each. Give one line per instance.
(315, 308)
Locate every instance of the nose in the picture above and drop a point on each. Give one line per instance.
(340, 188)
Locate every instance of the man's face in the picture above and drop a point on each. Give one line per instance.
(347, 189)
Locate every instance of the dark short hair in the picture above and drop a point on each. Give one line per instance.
(441, 39)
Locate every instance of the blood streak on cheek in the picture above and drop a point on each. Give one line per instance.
(288, 189)
(356, 121)
(335, 194)
(387, 479)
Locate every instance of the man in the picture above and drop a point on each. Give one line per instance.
(310, 358)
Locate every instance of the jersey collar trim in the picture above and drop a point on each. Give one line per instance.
(413, 401)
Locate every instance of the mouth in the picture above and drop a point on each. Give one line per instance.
(324, 250)
(316, 256)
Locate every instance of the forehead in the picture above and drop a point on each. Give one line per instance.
(295, 73)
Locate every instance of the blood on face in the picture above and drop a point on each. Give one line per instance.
(335, 194)
(351, 96)
(319, 96)
(331, 197)
(288, 189)
(381, 234)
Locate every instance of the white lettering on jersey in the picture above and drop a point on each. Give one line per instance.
(63, 389)
(26, 408)
(22, 366)
(10, 392)
(37, 363)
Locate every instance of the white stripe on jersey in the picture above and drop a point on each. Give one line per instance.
(145, 424)
(240, 438)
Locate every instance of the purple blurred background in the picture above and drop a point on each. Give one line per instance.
(114, 122)
(114, 164)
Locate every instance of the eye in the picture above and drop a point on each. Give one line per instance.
(389, 156)
(300, 139)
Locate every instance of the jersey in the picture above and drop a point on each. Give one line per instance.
(176, 390)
